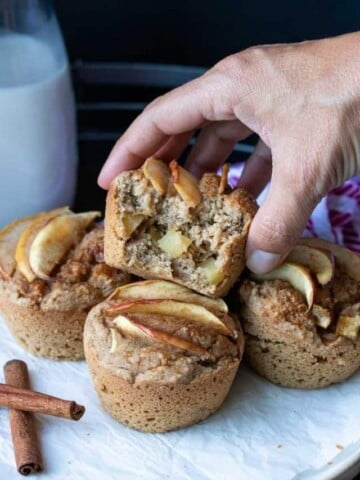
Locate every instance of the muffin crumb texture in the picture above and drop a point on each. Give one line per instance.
(185, 232)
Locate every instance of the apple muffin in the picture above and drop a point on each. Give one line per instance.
(52, 272)
(160, 355)
(302, 320)
(160, 222)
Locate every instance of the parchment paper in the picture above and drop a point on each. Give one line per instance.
(262, 432)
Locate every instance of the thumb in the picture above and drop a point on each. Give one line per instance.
(282, 218)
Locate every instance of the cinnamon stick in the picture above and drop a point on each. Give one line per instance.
(26, 446)
(30, 401)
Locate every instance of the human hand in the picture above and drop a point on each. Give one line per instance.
(303, 100)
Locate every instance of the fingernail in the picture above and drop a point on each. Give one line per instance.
(261, 262)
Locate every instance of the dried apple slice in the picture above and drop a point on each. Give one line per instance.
(161, 289)
(185, 184)
(138, 329)
(25, 240)
(158, 173)
(174, 243)
(191, 311)
(347, 260)
(348, 324)
(9, 237)
(297, 275)
(319, 261)
(55, 239)
(323, 315)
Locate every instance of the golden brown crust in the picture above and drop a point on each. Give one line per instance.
(228, 220)
(284, 343)
(53, 334)
(158, 387)
(153, 407)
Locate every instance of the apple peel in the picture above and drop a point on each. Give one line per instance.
(162, 289)
(191, 311)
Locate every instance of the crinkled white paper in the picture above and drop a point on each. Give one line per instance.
(262, 431)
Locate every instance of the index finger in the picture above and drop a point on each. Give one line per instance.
(184, 109)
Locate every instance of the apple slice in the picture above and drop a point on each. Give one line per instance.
(323, 315)
(138, 329)
(224, 178)
(9, 237)
(174, 243)
(185, 184)
(191, 311)
(297, 275)
(319, 261)
(211, 271)
(55, 239)
(115, 340)
(161, 289)
(158, 173)
(348, 324)
(347, 260)
(128, 327)
(27, 237)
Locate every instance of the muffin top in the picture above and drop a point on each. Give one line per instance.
(277, 308)
(77, 278)
(163, 333)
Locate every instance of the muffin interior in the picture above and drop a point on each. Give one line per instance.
(167, 234)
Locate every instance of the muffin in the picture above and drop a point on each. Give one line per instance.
(160, 222)
(52, 272)
(302, 320)
(161, 357)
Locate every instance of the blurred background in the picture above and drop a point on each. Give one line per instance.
(125, 53)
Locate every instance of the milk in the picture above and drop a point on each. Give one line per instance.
(37, 128)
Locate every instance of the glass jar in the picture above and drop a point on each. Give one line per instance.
(38, 156)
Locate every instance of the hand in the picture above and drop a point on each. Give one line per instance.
(303, 100)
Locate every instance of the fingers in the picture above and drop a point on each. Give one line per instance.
(281, 220)
(257, 170)
(179, 111)
(214, 144)
(211, 97)
(174, 147)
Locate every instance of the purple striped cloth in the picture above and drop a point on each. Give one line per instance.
(336, 218)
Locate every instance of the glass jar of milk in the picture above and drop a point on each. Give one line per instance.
(37, 116)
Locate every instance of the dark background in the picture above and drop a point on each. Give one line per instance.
(187, 32)
(196, 32)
